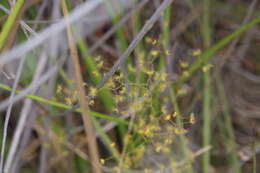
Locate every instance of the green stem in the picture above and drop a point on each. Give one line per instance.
(10, 22)
(206, 121)
(64, 106)
(95, 76)
(206, 131)
(230, 137)
(184, 142)
(207, 55)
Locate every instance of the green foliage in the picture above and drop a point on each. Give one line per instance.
(140, 110)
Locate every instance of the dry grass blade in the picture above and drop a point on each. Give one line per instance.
(9, 109)
(89, 128)
(116, 26)
(23, 117)
(129, 86)
(194, 155)
(48, 33)
(52, 31)
(5, 41)
(149, 24)
(33, 86)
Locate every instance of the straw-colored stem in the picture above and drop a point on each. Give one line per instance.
(88, 126)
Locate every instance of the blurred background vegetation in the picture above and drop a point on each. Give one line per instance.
(129, 86)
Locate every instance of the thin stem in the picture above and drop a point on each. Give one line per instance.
(89, 128)
(64, 106)
(10, 22)
(206, 131)
(149, 24)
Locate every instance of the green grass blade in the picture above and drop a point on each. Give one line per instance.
(206, 130)
(206, 120)
(64, 106)
(10, 22)
(207, 55)
(183, 139)
(95, 76)
(228, 128)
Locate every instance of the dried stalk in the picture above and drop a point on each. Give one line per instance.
(88, 126)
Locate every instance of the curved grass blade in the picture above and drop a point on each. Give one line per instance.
(67, 107)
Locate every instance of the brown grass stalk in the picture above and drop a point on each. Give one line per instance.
(88, 126)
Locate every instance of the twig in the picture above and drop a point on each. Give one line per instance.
(195, 155)
(24, 141)
(68, 108)
(50, 32)
(89, 128)
(44, 152)
(23, 24)
(8, 113)
(23, 118)
(250, 76)
(114, 28)
(236, 40)
(33, 86)
(103, 46)
(149, 24)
